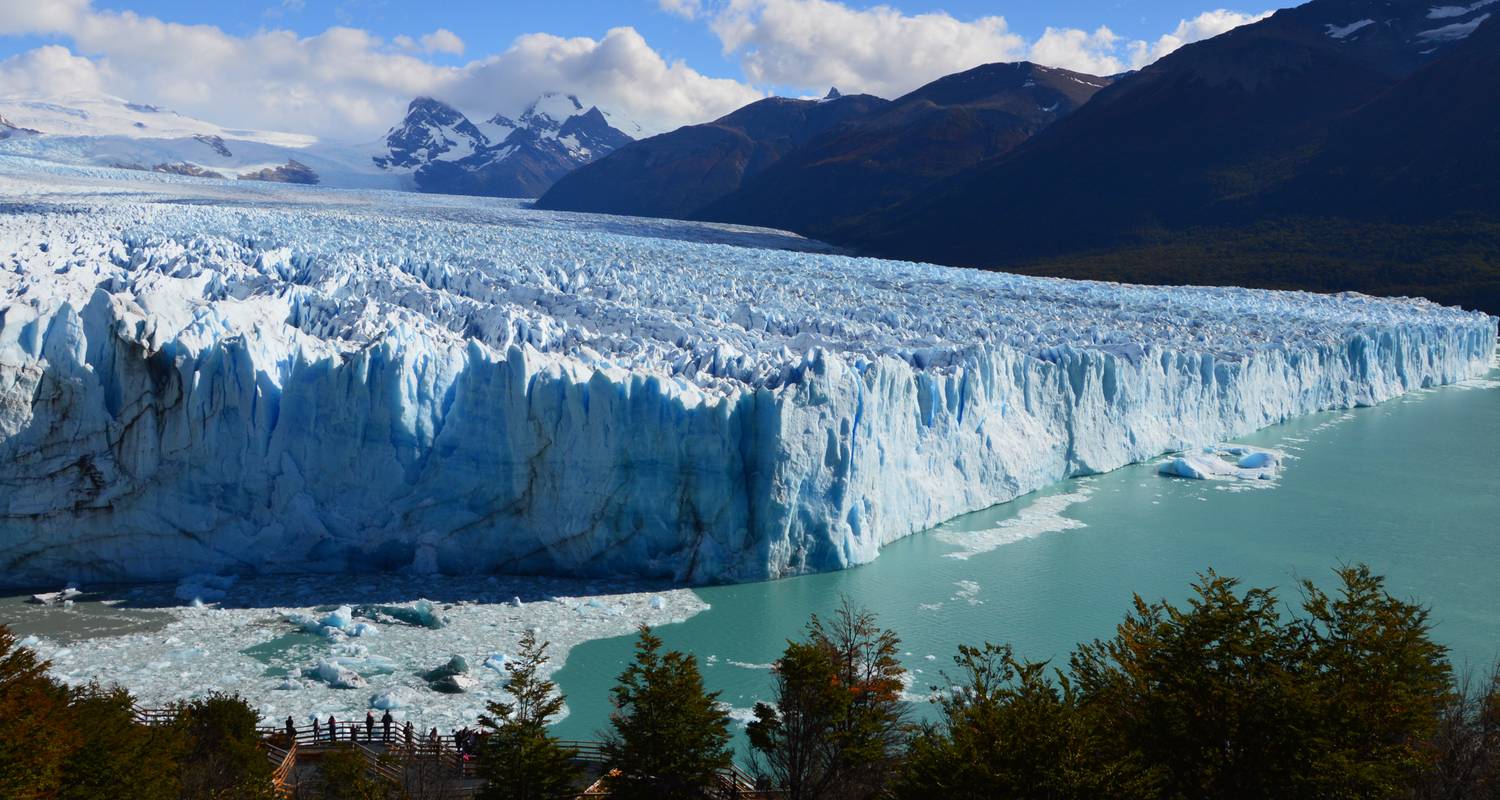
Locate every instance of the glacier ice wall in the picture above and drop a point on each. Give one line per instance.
(195, 378)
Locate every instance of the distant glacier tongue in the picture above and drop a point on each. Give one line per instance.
(201, 378)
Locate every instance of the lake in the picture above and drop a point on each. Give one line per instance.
(1410, 487)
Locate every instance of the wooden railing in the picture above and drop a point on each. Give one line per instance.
(283, 747)
(285, 762)
(151, 717)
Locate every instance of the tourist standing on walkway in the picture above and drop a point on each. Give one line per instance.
(369, 726)
(333, 729)
(291, 732)
(385, 723)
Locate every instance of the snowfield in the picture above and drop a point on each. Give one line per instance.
(203, 377)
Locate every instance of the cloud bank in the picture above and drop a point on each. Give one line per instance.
(344, 83)
(350, 84)
(880, 50)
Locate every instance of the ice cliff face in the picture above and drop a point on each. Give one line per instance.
(285, 379)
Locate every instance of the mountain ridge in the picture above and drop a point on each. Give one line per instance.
(522, 157)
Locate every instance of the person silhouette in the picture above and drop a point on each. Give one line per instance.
(369, 726)
(333, 729)
(385, 724)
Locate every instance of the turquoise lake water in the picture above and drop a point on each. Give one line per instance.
(1411, 487)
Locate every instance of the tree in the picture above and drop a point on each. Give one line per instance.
(1007, 730)
(34, 723)
(1202, 702)
(794, 738)
(1380, 683)
(343, 774)
(223, 758)
(1466, 745)
(521, 760)
(115, 756)
(1228, 699)
(669, 738)
(868, 738)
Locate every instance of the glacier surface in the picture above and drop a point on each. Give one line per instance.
(203, 378)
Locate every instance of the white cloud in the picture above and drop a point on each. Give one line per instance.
(687, 9)
(1204, 26)
(443, 40)
(620, 71)
(817, 43)
(348, 83)
(1078, 50)
(50, 71)
(810, 44)
(343, 83)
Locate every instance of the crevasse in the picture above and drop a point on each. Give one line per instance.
(363, 381)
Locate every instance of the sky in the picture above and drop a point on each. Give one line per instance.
(345, 69)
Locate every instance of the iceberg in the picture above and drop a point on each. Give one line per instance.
(337, 676)
(1230, 462)
(204, 378)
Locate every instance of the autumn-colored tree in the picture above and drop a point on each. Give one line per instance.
(838, 721)
(794, 736)
(35, 724)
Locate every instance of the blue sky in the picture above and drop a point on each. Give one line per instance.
(482, 25)
(345, 68)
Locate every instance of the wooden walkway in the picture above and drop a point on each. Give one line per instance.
(426, 766)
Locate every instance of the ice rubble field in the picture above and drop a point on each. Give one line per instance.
(203, 377)
(251, 641)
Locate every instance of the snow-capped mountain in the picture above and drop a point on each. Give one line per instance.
(503, 156)
(432, 130)
(101, 130)
(106, 115)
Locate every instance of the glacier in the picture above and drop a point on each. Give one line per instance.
(199, 377)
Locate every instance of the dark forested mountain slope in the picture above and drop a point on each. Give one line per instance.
(678, 173)
(1343, 144)
(893, 154)
(1183, 142)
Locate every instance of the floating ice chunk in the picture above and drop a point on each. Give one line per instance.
(1195, 467)
(398, 697)
(339, 618)
(1258, 460)
(204, 588)
(454, 684)
(1224, 462)
(452, 677)
(53, 598)
(337, 676)
(422, 613)
(658, 603)
(496, 662)
(335, 624)
(29, 642)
